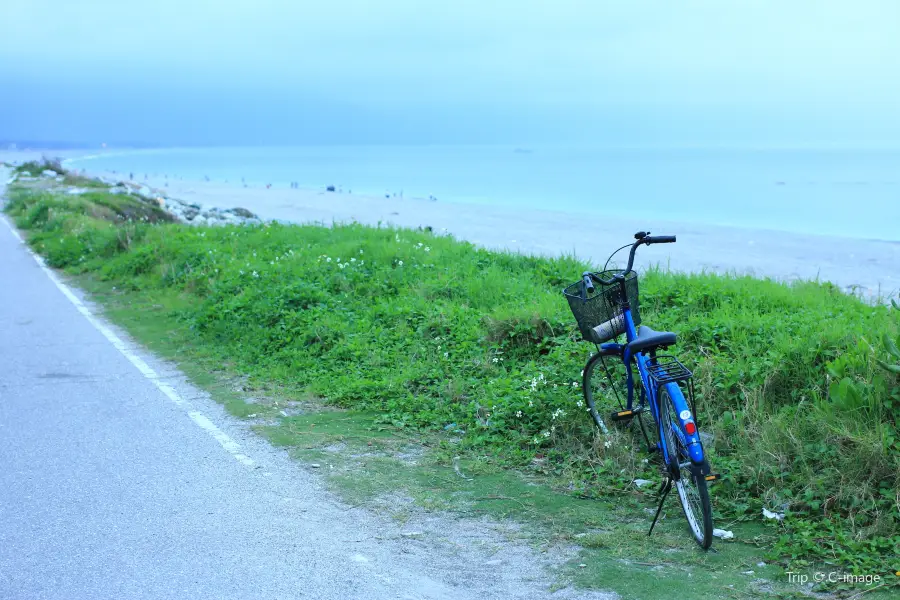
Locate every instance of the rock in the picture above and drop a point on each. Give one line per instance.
(49, 173)
(145, 191)
(641, 482)
(190, 212)
(330, 188)
(412, 534)
(760, 564)
(315, 465)
(721, 533)
(242, 212)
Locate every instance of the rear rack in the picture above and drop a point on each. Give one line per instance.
(668, 369)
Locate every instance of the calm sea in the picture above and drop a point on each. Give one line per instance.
(854, 193)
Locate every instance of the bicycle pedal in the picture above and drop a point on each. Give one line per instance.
(713, 477)
(624, 415)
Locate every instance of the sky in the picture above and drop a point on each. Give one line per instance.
(198, 72)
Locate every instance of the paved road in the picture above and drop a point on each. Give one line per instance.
(108, 489)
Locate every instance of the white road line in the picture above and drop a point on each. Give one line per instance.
(197, 417)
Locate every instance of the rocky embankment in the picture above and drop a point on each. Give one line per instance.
(183, 212)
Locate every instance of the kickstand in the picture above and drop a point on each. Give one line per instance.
(664, 492)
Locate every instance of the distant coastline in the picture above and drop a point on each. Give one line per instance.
(867, 266)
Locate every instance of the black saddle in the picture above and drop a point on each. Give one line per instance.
(647, 338)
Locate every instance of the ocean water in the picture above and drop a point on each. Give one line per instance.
(846, 192)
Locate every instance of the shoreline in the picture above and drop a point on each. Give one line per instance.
(867, 267)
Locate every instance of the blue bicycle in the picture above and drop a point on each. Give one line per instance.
(606, 305)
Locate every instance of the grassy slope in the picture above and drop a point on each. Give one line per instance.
(428, 334)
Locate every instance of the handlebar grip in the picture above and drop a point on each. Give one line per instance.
(660, 239)
(588, 283)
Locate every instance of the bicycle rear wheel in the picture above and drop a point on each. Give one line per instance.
(691, 484)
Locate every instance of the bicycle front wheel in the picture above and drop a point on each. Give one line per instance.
(604, 388)
(691, 484)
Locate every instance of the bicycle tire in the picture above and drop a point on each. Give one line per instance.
(692, 488)
(587, 390)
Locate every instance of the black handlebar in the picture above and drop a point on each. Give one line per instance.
(642, 238)
(588, 282)
(660, 239)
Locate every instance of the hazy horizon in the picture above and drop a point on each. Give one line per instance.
(195, 73)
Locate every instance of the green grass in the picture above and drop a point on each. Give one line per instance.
(425, 337)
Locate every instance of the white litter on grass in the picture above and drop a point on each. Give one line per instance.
(721, 533)
(773, 515)
(641, 482)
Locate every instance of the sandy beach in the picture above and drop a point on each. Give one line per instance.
(868, 267)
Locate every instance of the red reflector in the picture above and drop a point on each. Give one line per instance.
(690, 428)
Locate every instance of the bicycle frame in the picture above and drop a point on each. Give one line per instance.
(691, 442)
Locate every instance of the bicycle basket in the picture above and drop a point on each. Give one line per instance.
(601, 317)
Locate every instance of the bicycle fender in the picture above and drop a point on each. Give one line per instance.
(694, 447)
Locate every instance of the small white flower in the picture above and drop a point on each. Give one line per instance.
(580, 403)
(446, 354)
(352, 260)
(272, 262)
(400, 262)
(496, 359)
(427, 249)
(530, 403)
(519, 414)
(341, 266)
(546, 434)
(328, 259)
(553, 428)
(574, 384)
(360, 251)
(241, 272)
(255, 274)
(607, 444)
